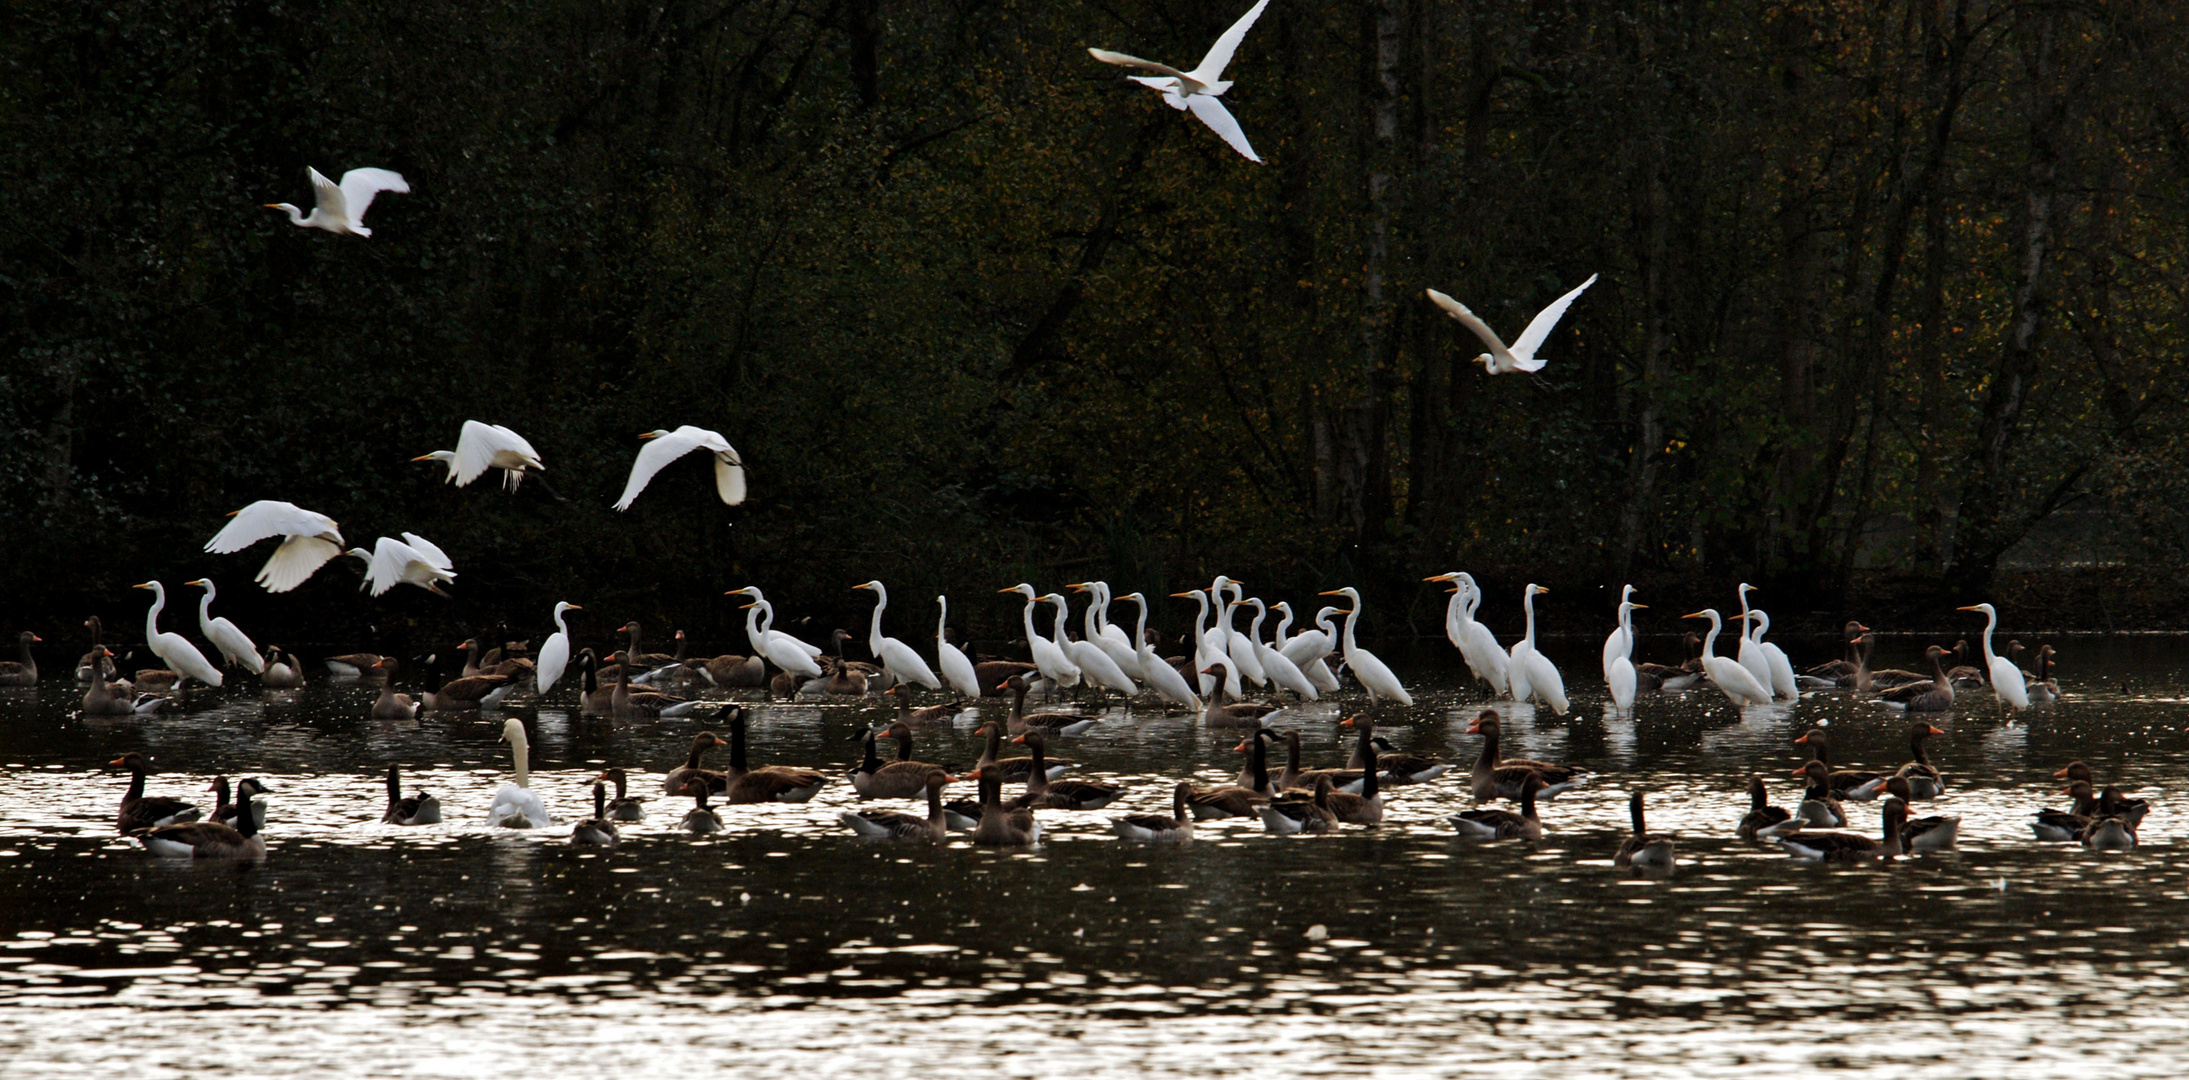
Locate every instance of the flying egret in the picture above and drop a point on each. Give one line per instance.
(896, 657)
(232, 642)
(555, 653)
(1727, 673)
(1095, 665)
(1477, 645)
(182, 658)
(311, 539)
(1619, 653)
(1280, 670)
(1521, 356)
(1751, 654)
(1160, 676)
(1374, 676)
(487, 446)
(340, 208)
(781, 649)
(1209, 653)
(663, 447)
(956, 669)
(1530, 672)
(2007, 683)
(1055, 664)
(413, 560)
(1782, 682)
(1198, 89)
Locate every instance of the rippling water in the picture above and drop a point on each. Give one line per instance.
(358, 949)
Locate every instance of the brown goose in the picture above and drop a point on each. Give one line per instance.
(1157, 829)
(892, 825)
(1242, 799)
(905, 779)
(625, 806)
(1820, 807)
(465, 694)
(2109, 833)
(1842, 672)
(1963, 676)
(390, 705)
(1890, 678)
(1397, 768)
(206, 839)
(1241, 714)
(1924, 781)
(995, 676)
(1504, 824)
(1495, 777)
(141, 811)
(1845, 846)
(420, 808)
(1936, 832)
(362, 665)
(113, 698)
(1053, 724)
(924, 716)
(673, 784)
(1365, 808)
(768, 783)
(731, 671)
(283, 672)
(2042, 685)
(97, 657)
(1298, 812)
(1936, 695)
(594, 699)
(1013, 770)
(225, 811)
(628, 703)
(25, 672)
(2067, 826)
(1669, 677)
(1067, 794)
(1762, 819)
(1860, 785)
(596, 831)
(700, 819)
(1643, 849)
(1295, 778)
(2111, 801)
(1000, 825)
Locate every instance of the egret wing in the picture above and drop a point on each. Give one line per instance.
(432, 554)
(327, 196)
(505, 439)
(1469, 320)
(474, 452)
(268, 518)
(1540, 329)
(360, 185)
(1212, 112)
(652, 457)
(296, 560)
(729, 479)
(1136, 63)
(1219, 54)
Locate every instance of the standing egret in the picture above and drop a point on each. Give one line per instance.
(1374, 676)
(1198, 89)
(340, 208)
(413, 560)
(1619, 653)
(1477, 645)
(1110, 639)
(780, 649)
(2007, 683)
(956, 669)
(1736, 681)
(1751, 654)
(1307, 648)
(555, 654)
(310, 540)
(182, 657)
(1055, 664)
(1237, 644)
(1280, 670)
(1095, 666)
(896, 657)
(1782, 682)
(487, 446)
(1521, 357)
(234, 645)
(1209, 653)
(663, 447)
(1530, 673)
(1160, 676)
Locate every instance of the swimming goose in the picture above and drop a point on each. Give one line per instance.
(2042, 685)
(1935, 695)
(894, 825)
(1887, 678)
(1297, 812)
(700, 819)
(1820, 807)
(106, 698)
(1157, 829)
(995, 676)
(1242, 799)
(596, 831)
(2066, 826)
(97, 655)
(594, 699)
(1243, 714)
(24, 673)
(2111, 801)
(902, 779)
(1295, 778)
(1496, 777)
(1504, 824)
(1962, 675)
(1067, 794)
(1365, 808)
(141, 811)
(1841, 673)
(390, 705)
(1848, 847)
(225, 811)
(674, 783)
(1013, 770)
(1936, 832)
(2109, 834)
(1763, 820)
(1643, 848)
(1924, 780)
(361, 665)
(1397, 768)
(926, 714)
(1061, 724)
(281, 671)
(625, 806)
(1859, 785)
(1667, 677)
(515, 805)
(206, 839)
(627, 703)
(1002, 826)
(768, 783)
(419, 808)
(464, 694)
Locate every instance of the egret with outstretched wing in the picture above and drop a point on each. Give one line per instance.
(663, 447)
(1521, 356)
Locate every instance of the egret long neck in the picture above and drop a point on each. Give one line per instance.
(874, 628)
(1528, 604)
(152, 616)
(1094, 606)
(1991, 620)
(1031, 635)
(1710, 639)
(942, 619)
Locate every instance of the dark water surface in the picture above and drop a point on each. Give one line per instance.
(358, 949)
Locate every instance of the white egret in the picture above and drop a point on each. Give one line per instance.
(2007, 683)
(1280, 670)
(1373, 675)
(780, 649)
(1521, 356)
(1530, 672)
(1477, 645)
(663, 447)
(311, 539)
(413, 560)
(895, 656)
(516, 805)
(234, 645)
(1156, 671)
(182, 658)
(1751, 654)
(1782, 682)
(1110, 639)
(1055, 664)
(1209, 653)
(1095, 666)
(340, 208)
(1736, 681)
(1619, 653)
(957, 670)
(1309, 648)
(555, 653)
(1237, 644)
(1198, 89)
(487, 446)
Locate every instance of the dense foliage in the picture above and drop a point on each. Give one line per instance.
(1885, 287)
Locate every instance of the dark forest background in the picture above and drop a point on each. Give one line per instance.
(1890, 315)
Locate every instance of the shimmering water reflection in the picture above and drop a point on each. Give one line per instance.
(360, 949)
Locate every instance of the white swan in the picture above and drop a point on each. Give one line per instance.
(1727, 674)
(1198, 89)
(181, 656)
(232, 642)
(2007, 683)
(1373, 674)
(897, 657)
(516, 806)
(340, 208)
(1521, 356)
(1530, 672)
(663, 447)
(487, 446)
(956, 669)
(309, 540)
(555, 654)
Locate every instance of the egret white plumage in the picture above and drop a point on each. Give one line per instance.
(957, 670)
(1529, 671)
(1096, 669)
(181, 657)
(310, 539)
(1154, 670)
(516, 805)
(663, 447)
(895, 656)
(1751, 655)
(1782, 682)
(233, 643)
(1310, 648)
(1110, 638)
(1281, 670)
(1055, 664)
(554, 656)
(1477, 645)
(1209, 653)
(487, 446)
(1199, 89)
(1373, 674)
(413, 560)
(2007, 683)
(1521, 356)
(340, 208)
(1237, 644)
(1736, 681)
(780, 649)
(1619, 675)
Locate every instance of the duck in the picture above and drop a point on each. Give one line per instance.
(1000, 825)
(225, 811)
(700, 819)
(1936, 832)
(901, 779)
(1820, 806)
(1818, 846)
(1504, 824)
(209, 839)
(1059, 724)
(1365, 808)
(1496, 777)
(283, 672)
(768, 783)
(1295, 778)
(925, 715)
(361, 665)
(1298, 812)
(1397, 768)
(596, 831)
(1157, 829)
(895, 825)
(1763, 820)
(1859, 785)
(1643, 849)
(1068, 794)
(2067, 826)
(390, 705)
(420, 808)
(515, 805)
(141, 811)
(1241, 714)
(24, 672)
(625, 806)
(1013, 770)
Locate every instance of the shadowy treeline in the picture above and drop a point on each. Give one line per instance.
(1884, 288)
